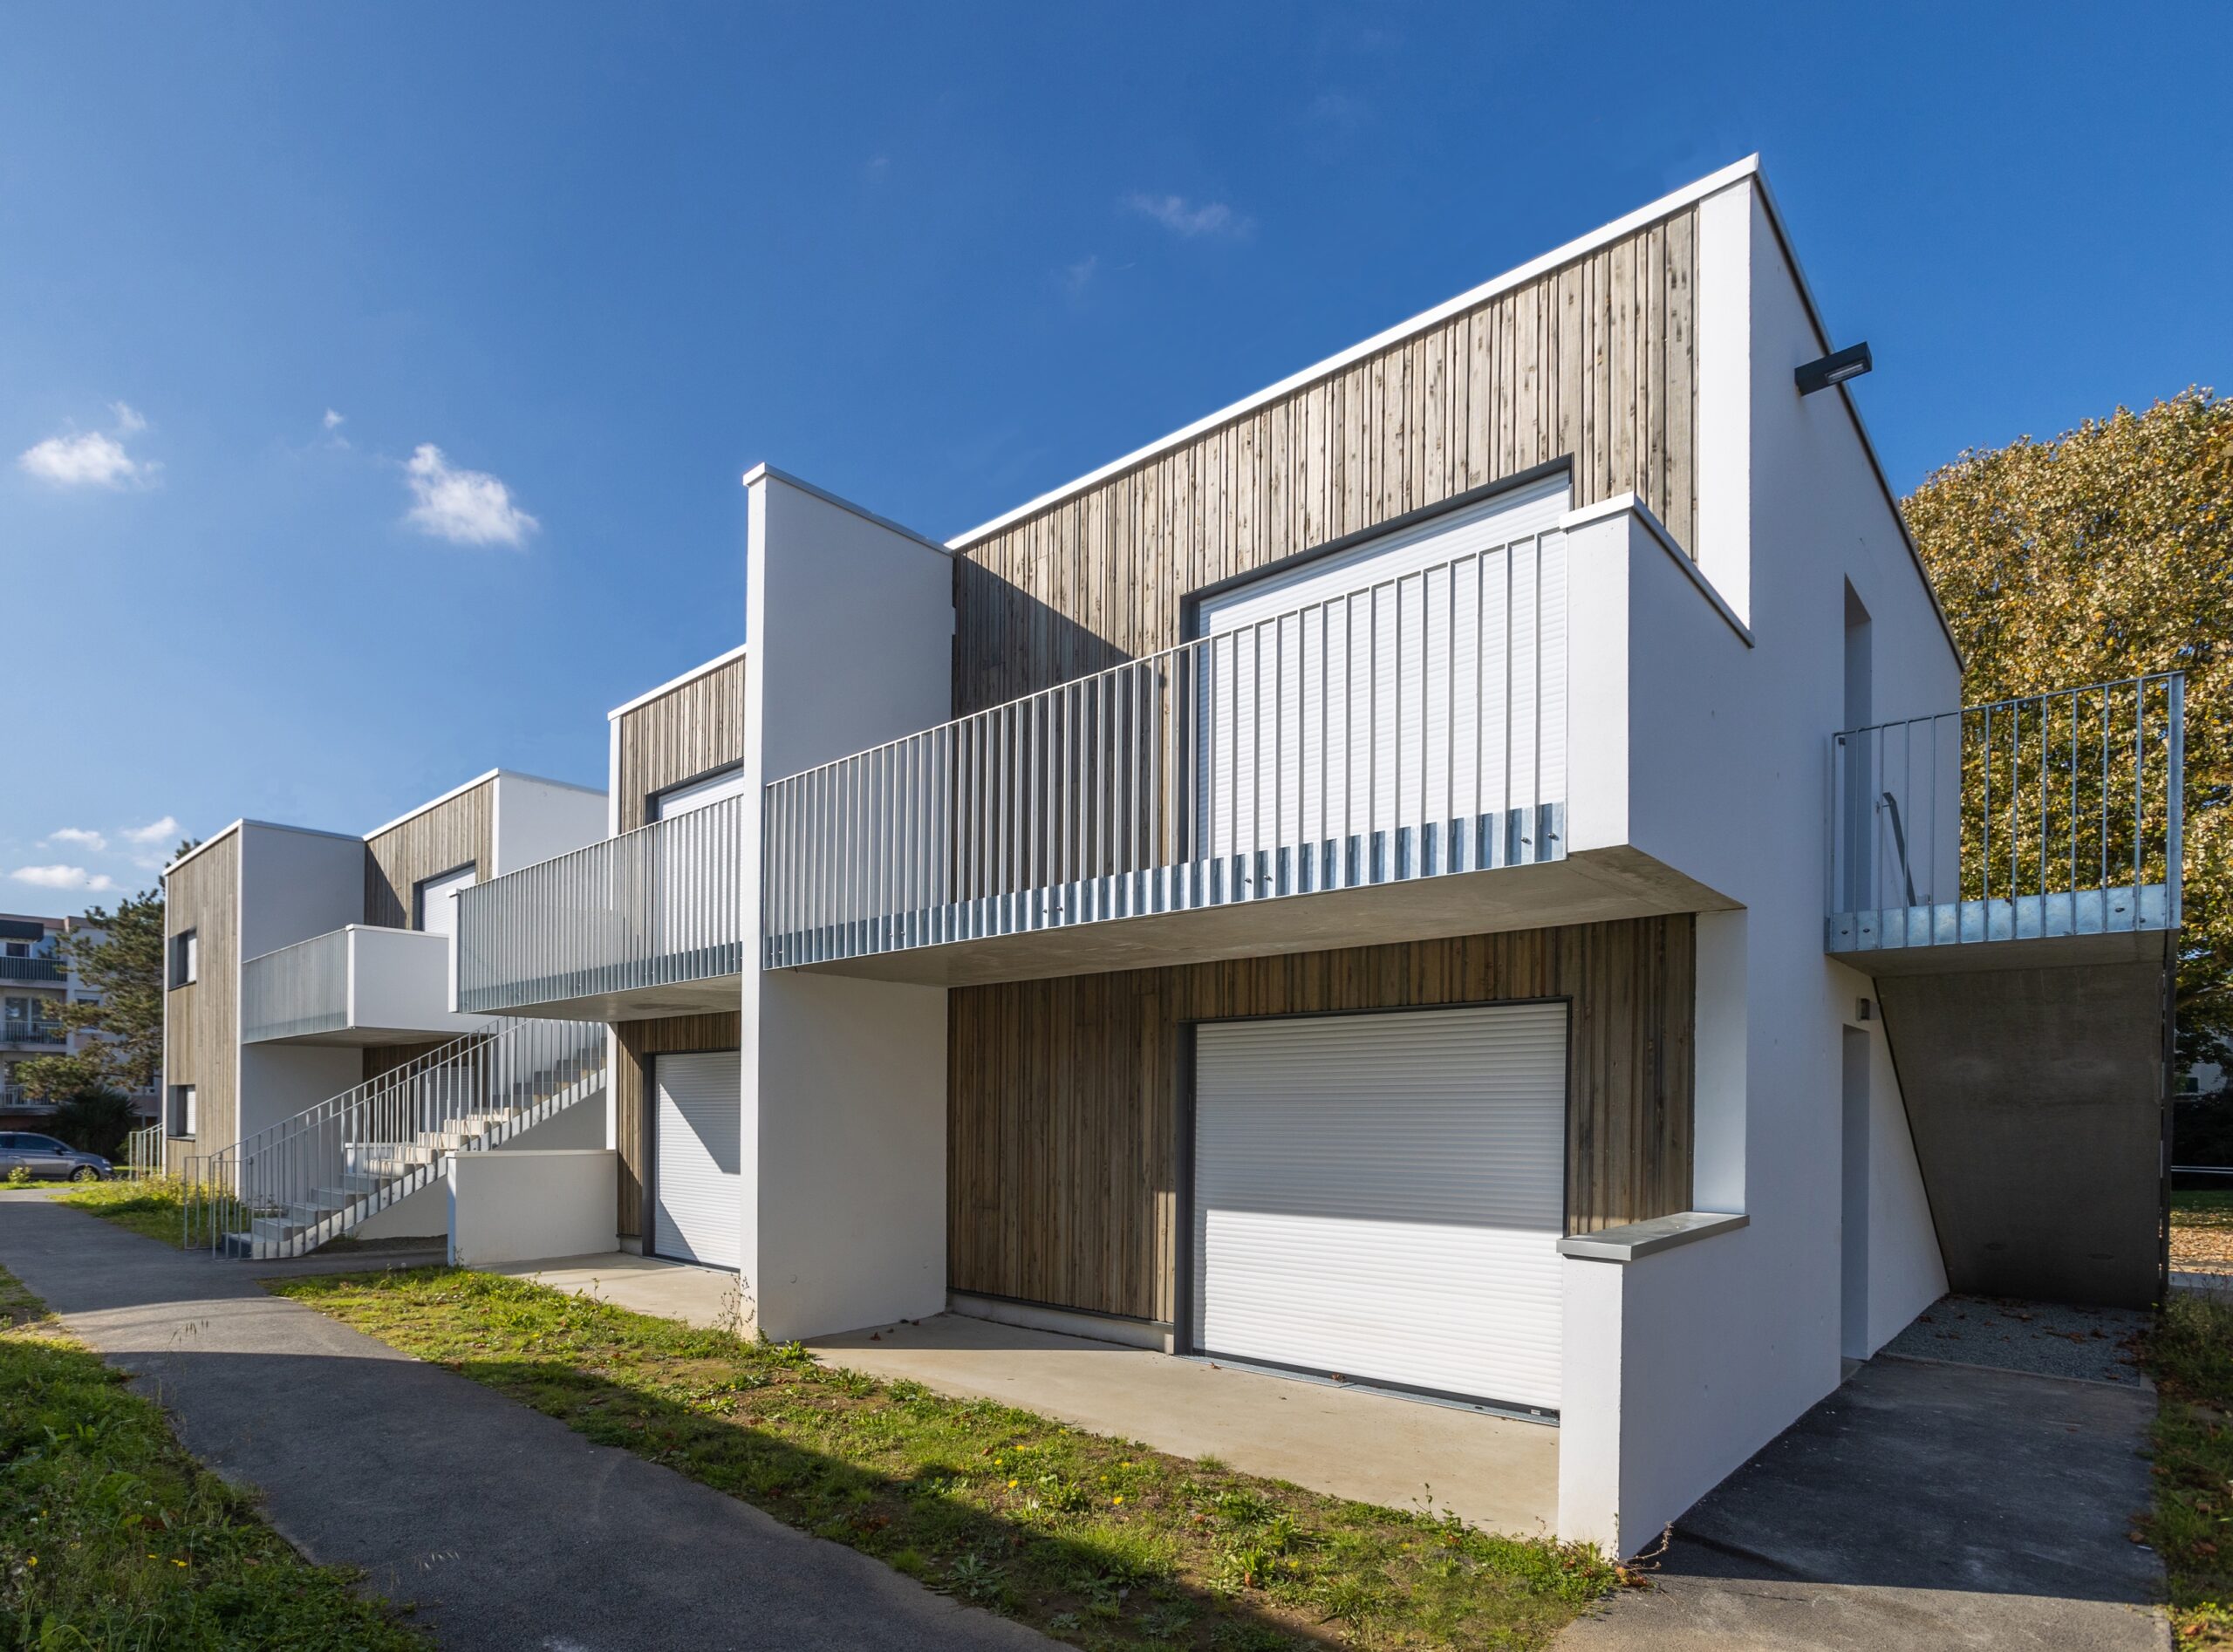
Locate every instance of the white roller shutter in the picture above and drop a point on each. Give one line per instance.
(1382, 1196)
(1418, 679)
(698, 1136)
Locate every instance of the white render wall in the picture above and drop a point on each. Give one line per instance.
(526, 1206)
(849, 633)
(1683, 1364)
(537, 819)
(294, 885)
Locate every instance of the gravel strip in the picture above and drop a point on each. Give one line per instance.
(2100, 1344)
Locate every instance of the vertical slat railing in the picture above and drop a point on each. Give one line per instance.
(384, 1132)
(1250, 764)
(2046, 814)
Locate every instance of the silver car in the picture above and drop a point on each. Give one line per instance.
(44, 1156)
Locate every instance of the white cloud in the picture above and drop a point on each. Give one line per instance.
(81, 837)
(1078, 276)
(159, 831)
(465, 506)
(1182, 217)
(64, 877)
(334, 420)
(92, 458)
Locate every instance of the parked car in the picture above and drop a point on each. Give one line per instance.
(44, 1156)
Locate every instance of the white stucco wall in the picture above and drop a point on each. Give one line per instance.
(524, 1207)
(294, 885)
(1727, 762)
(848, 629)
(585, 1126)
(536, 819)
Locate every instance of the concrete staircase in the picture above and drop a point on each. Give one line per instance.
(332, 1168)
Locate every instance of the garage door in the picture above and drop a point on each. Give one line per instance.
(1383, 1196)
(697, 1137)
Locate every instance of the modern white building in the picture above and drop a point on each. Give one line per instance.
(1468, 869)
(36, 979)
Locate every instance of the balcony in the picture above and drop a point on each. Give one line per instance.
(32, 969)
(46, 1034)
(645, 924)
(1383, 764)
(2043, 828)
(354, 985)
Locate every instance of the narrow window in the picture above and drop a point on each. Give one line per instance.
(186, 958)
(183, 1110)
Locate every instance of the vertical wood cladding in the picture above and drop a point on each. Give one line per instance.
(201, 1021)
(638, 1041)
(458, 831)
(1063, 1095)
(693, 728)
(1593, 361)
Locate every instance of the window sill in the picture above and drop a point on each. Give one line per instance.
(1637, 1241)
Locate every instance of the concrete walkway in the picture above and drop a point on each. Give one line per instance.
(505, 1527)
(1497, 1473)
(1922, 1504)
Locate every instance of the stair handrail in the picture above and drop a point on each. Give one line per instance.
(478, 1075)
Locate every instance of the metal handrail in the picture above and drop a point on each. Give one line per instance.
(143, 1150)
(657, 906)
(1413, 726)
(290, 1186)
(2056, 800)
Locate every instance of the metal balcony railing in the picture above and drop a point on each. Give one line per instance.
(35, 1033)
(655, 907)
(31, 969)
(297, 990)
(1413, 727)
(2049, 815)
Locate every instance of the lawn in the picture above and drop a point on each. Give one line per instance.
(1101, 1542)
(153, 1207)
(2201, 1230)
(111, 1536)
(2191, 1357)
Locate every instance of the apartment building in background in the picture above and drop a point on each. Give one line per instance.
(35, 980)
(1467, 868)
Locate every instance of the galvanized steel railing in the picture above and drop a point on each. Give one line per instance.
(143, 1151)
(288, 1189)
(298, 989)
(2055, 813)
(654, 907)
(1413, 727)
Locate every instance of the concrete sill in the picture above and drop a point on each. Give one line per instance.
(1640, 1239)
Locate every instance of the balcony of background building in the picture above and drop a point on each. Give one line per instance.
(358, 984)
(32, 969)
(646, 924)
(2046, 829)
(34, 1034)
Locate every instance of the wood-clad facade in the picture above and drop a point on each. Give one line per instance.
(1064, 1096)
(637, 1042)
(1593, 363)
(693, 727)
(202, 1020)
(458, 831)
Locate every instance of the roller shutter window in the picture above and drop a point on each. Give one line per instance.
(698, 1136)
(1382, 1196)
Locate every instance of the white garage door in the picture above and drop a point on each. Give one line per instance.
(698, 1136)
(1382, 1196)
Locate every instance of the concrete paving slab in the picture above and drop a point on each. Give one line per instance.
(1497, 1473)
(505, 1527)
(1922, 1504)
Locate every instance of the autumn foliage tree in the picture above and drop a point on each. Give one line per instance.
(2107, 553)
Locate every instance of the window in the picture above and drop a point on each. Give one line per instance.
(186, 958)
(433, 903)
(182, 1110)
(19, 949)
(700, 793)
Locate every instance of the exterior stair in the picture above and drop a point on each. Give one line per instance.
(314, 1178)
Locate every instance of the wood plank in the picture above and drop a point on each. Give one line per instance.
(636, 1043)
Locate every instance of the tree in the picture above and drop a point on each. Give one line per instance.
(120, 956)
(50, 1078)
(2107, 553)
(96, 1120)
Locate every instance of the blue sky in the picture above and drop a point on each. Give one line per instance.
(375, 381)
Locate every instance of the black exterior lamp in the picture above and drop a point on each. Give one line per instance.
(1834, 369)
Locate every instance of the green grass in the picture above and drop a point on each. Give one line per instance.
(153, 1208)
(2191, 1357)
(1101, 1542)
(111, 1536)
(2210, 1208)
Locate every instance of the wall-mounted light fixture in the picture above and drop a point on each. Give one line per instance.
(1834, 369)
